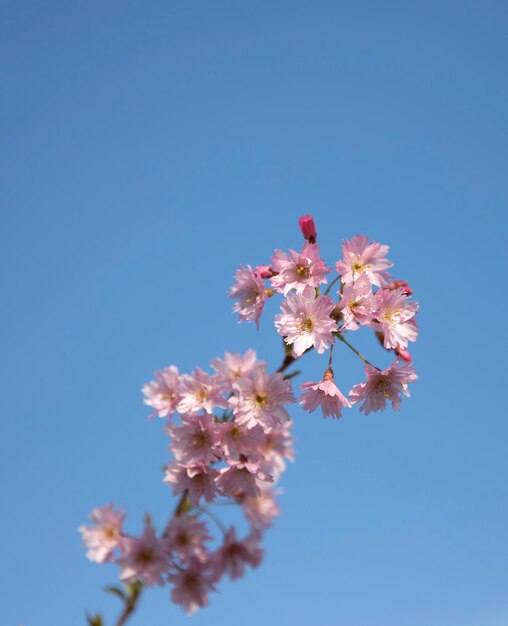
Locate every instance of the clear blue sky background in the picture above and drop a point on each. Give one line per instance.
(149, 148)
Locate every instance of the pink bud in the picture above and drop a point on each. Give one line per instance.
(404, 355)
(308, 228)
(395, 284)
(263, 271)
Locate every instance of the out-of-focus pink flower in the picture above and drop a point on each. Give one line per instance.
(200, 392)
(241, 477)
(298, 269)
(359, 256)
(196, 441)
(308, 227)
(260, 399)
(144, 559)
(106, 534)
(305, 321)
(325, 394)
(382, 386)
(357, 303)
(233, 555)
(235, 366)
(163, 393)
(198, 481)
(186, 537)
(237, 439)
(250, 292)
(260, 511)
(394, 318)
(192, 585)
(277, 447)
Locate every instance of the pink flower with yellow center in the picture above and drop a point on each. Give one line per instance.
(359, 257)
(305, 322)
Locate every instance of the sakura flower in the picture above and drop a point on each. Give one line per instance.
(357, 303)
(382, 386)
(234, 366)
(250, 291)
(196, 441)
(163, 393)
(261, 510)
(308, 228)
(305, 322)
(144, 559)
(237, 439)
(260, 399)
(106, 534)
(298, 269)
(359, 256)
(394, 318)
(241, 477)
(186, 537)
(277, 447)
(191, 586)
(233, 555)
(325, 394)
(200, 392)
(197, 481)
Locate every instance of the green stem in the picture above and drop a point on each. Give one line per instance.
(359, 354)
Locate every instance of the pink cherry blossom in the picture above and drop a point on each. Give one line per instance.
(260, 399)
(144, 559)
(298, 269)
(235, 366)
(106, 534)
(192, 585)
(262, 510)
(305, 322)
(308, 227)
(233, 555)
(197, 481)
(325, 394)
(241, 477)
(359, 256)
(200, 392)
(186, 536)
(357, 303)
(394, 318)
(163, 393)
(382, 386)
(196, 441)
(250, 292)
(237, 439)
(277, 447)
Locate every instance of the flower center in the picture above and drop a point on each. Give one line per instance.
(302, 271)
(307, 325)
(260, 399)
(110, 533)
(389, 316)
(201, 439)
(382, 386)
(358, 266)
(145, 556)
(201, 395)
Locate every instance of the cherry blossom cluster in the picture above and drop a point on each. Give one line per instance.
(365, 295)
(230, 430)
(230, 439)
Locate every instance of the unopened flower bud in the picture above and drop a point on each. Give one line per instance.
(395, 284)
(308, 228)
(404, 355)
(263, 271)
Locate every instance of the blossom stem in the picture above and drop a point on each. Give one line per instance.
(131, 602)
(341, 338)
(328, 289)
(213, 517)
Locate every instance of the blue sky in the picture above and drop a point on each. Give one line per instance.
(150, 148)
